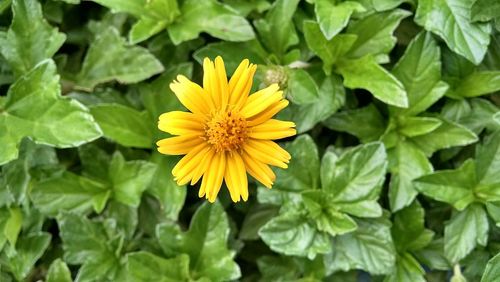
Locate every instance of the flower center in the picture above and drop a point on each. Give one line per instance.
(226, 130)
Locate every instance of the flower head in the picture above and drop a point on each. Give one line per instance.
(227, 132)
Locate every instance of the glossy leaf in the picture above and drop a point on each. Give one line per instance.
(331, 26)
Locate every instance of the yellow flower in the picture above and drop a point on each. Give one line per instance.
(227, 132)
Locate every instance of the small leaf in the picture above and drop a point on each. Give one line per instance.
(126, 64)
(449, 19)
(365, 73)
(144, 266)
(58, 272)
(464, 230)
(492, 271)
(478, 83)
(331, 26)
(407, 269)
(408, 229)
(212, 17)
(292, 234)
(29, 249)
(301, 87)
(416, 126)
(485, 10)
(124, 125)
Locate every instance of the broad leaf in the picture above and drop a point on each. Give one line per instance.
(408, 229)
(416, 126)
(407, 269)
(485, 10)
(492, 271)
(478, 83)
(144, 266)
(301, 87)
(331, 26)
(58, 272)
(449, 19)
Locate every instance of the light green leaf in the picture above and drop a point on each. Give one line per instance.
(449, 19)
(276, 30)
(126, 64)
(212, 17)
(478, 83)
(433, 255)
(28, 250)
(329, 50)
(408, 229)
(416, 126)
(35, 108)
(58, 272)
(205, 242)
(124, 125)
(488, 160)
(144, 266)
(492, 271)
(69, 192)
(369, 248)
(464, 230)
(30, 39)
(11, 220)
(375, 33)
(485, 10)
(125, 217)
(292, 234)
(301, 87)
(365, 73)
(419, 70)
(454, 187)
(130, 179)
(407, 269)
(355, 177)
(406, 162)
(365, 123)
(86, 242)
(302, 174)
(331, 26)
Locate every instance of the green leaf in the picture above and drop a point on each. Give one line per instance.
(407, 269)
(302, 174)
(211, 17)
(419, 70)
(126, 64)
(301, 87)
(255, 218)
(144, 266)
(125, 217)
(331, 26)
(27, 252)
(478, 83)
(464, 230)
(11, 220)
(416, 126)
(276, 30)
(35, 108)
(69, 192)
(406, 162)
(408, 229)
(449, 19)
(329, 50)
(375, 33)
(365, 73)
(205, 242)
(485, 10)
(30, 39)
(124, 125)
(86, 242)
(130, 179)
(278, 268)
(369, 248)
(454, 187)
(292, 234)
(365, 123)
(488, 161)
(492, 271)
(156, 16)
(433, 255)
(58, 272)
(355, 177)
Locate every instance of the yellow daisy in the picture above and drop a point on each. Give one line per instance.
(227, 132)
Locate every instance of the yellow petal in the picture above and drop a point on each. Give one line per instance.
(180, 123)
(271, 148)
(222, 85)
(258, 170)
(268, 113)
(202, 168)
(263, 156)
(179, 145)
(241, 83)
(212, 180)
(183, 170)
(210, 83)
(191, 95)
(261, 100)
(273, 129)
(236, 177)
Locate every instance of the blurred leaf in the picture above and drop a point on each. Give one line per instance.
(331, 26)
(301, 87)
(485, 10)
(464, 230)
(449, 19)
(11, 220)
(408, 229)
(124, 125)
(365, 73)
(144, 266)
(478, 83)
(35, 108)
(30, 39)
(407, 269)
(492, 272)
(212, 17)
(205, 242)
(126, 64)
(58, 272)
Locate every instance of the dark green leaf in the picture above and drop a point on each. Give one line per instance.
(301, 87)
(492, 271)
(407, 269)
(144, 266)
(485, 10)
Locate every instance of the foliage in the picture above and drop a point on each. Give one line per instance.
(395, 173)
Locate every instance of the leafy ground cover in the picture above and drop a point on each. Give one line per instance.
(395, 170)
